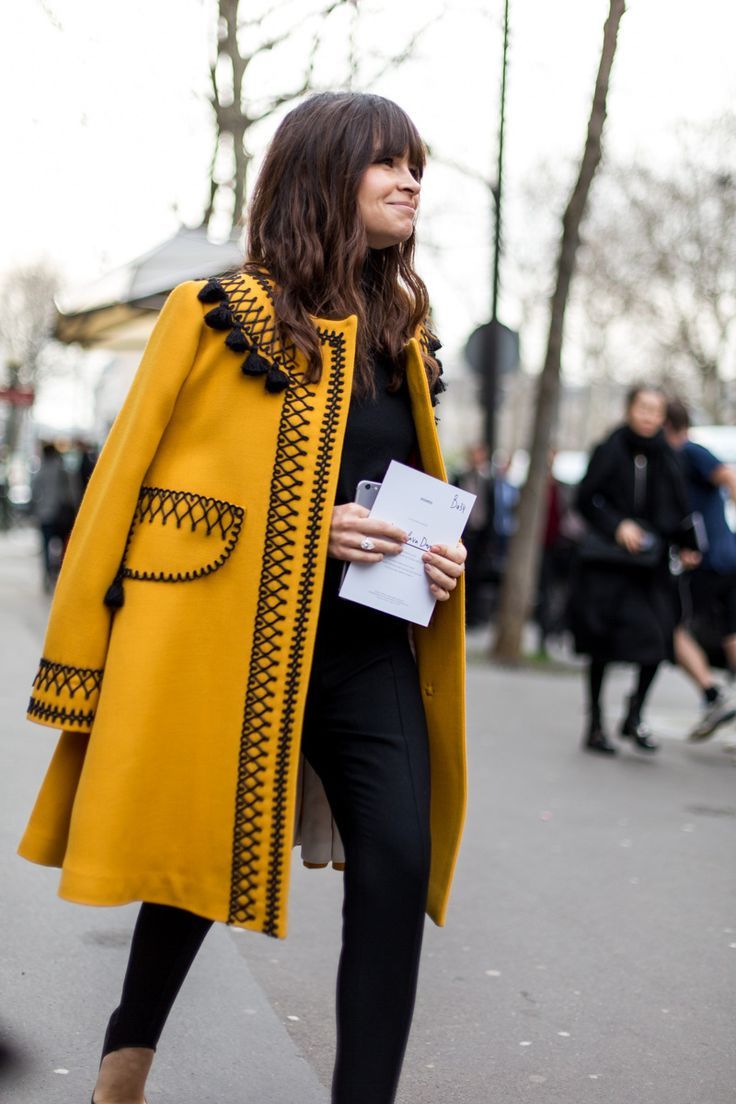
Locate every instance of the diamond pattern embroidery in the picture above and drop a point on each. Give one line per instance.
(249, 844)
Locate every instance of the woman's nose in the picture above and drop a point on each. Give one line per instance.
(410, 183)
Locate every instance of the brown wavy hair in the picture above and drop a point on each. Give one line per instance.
(305, 230)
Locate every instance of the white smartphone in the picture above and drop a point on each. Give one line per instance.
(365, 493)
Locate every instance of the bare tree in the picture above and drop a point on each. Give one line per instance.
(244, 41)
(661, 255)
(523, 561)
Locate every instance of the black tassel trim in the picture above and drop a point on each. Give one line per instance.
(255, 365)
(276, 380)
(433, 344)
(220, 318)
(212, 292)
(115, 596)
(439, 385)
(237, 341)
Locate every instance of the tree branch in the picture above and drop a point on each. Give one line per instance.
(403, 55)
(465, 170)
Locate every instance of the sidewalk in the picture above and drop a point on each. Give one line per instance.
(589, 954)
(62, 965)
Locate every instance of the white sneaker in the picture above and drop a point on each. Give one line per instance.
(715, 714)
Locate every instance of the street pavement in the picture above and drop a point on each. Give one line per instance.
(589, 953)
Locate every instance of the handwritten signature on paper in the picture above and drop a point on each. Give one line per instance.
(418, 542)
(456, 504)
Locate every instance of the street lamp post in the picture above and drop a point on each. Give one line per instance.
(491, 389)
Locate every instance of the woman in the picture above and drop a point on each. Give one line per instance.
(622, 606)
(215, 527)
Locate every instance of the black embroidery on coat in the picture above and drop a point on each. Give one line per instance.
(59, 714)
(197, 511)
(249, 844)
(62, 678)
(294, 666)
(194, 512)
(252, 325)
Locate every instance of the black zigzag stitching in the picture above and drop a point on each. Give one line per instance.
(59, 714)
(63, 678)
(161, 505)
(294, 665)
(248, 841)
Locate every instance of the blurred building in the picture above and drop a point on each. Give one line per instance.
(117, 312)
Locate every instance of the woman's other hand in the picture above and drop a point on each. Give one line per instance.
(352, 525)
(444, 566)
(630, 536)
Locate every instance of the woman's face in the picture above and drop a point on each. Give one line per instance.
(647, 413)
(388, 200)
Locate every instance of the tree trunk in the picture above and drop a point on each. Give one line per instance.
(712, 391)
(230, 121)
(519, 585)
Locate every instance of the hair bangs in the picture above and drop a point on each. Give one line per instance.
(394, 134)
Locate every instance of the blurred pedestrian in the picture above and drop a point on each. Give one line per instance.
(85, 464)
(52, 502)
(711, 610)
(633, 497)
(198, 644)
(477, 478)
(505, 502)
(5, 507)
(555, 563)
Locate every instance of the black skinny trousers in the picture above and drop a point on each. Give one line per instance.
(365, 736)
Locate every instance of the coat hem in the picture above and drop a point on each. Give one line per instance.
(97, 891)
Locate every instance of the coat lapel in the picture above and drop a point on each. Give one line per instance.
(421, 405)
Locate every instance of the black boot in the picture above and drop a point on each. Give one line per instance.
(633, 728)
(596, 739)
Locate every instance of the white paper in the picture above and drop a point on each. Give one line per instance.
(430, 512)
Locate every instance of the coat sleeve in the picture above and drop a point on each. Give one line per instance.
(591, 499)
(67, 685)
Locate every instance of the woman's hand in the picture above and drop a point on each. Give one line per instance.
(444, 566)
(630, 536)
(351, 525)
(689, 558)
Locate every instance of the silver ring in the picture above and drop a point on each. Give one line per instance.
(367, 544)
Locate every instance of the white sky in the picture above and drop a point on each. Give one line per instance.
(107, 134)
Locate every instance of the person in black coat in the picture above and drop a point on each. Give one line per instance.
(634, 499)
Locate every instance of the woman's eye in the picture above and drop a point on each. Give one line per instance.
(386, 161)
(415, 172)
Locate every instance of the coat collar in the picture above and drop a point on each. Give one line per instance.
(242, 305)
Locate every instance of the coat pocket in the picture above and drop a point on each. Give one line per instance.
(178, 536)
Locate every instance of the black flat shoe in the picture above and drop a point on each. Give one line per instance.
(596, 740)
(641, 735)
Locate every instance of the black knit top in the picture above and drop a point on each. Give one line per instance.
(380, 428)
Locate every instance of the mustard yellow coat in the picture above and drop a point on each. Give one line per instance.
(177, 775)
